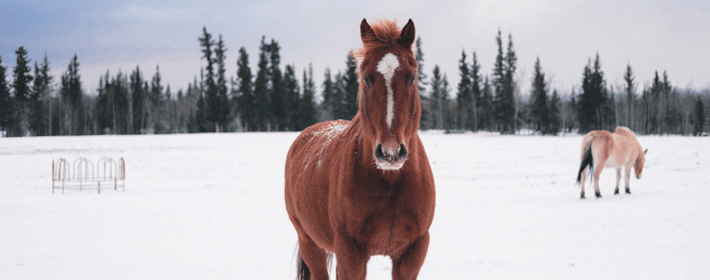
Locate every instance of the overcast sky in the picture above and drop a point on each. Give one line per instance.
(669, 35)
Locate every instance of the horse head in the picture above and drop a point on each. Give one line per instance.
(638, 164)
(389, 96)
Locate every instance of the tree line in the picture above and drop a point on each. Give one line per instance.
(275, 99)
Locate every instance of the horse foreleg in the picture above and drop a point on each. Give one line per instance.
(618, 179)
(351, 259)
(628, 176)
(314, 258)
(407, 264)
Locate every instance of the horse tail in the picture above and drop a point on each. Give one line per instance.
(587, 159)
(302, 270)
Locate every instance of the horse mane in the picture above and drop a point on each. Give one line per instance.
(386, 34)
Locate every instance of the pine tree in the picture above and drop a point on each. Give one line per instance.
(555, 118)
(699, 118)
(437, 99)
(630, 96)
(38, 106)
(219, 105)
(156, 98)
(475, 94)
(138, 98)
(539, 111)
(292, 93)
(487, 110)
(307, 114)
(350, 89)
(330, 98)
(504, 86)
(593, 108)
(207, 115)
(246, 102)
(72, 97)
(278, 106)
(261, 89)
(425, 120)
(464, 99)
(6, 103)
(21, 86)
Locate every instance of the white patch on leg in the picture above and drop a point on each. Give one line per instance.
(387, 67)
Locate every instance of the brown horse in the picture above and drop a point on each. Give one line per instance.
(615, 150)
(364, 187)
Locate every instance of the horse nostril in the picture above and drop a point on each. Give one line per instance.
(379, 154)
(402, 151)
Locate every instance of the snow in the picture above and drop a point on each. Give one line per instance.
(210, 206)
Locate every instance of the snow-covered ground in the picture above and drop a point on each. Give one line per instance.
(210, 206)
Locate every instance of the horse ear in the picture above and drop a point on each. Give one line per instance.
(365, 30)
(645, 151)
(407, 35)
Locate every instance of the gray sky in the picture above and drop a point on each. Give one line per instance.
(118, 35)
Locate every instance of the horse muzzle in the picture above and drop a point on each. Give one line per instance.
(390, 157)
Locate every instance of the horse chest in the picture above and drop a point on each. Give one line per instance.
(384, 231)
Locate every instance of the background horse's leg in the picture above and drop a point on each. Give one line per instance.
(582, 180)
(407, 265)
(628, 176)
(351, 259)
(618, 179)
(597, 172)
(315, 259)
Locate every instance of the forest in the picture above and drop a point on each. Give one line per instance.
(280, 98)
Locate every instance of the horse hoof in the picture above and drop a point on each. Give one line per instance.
(616, 192)
(581, 196)
(599, 195)
(628, 191)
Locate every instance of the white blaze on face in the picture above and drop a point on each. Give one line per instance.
(387, 66)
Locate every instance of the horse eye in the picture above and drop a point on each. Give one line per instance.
(411, 81)
(368, 81)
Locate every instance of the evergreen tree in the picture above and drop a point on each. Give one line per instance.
(246, 102)
(593, 109)
(307, 114)
(487, 110)
(219, 105)
(138, 98)
(475, 94)
(630, 96)
(72, 97)
(555, 118)
(206, 115)
(292, 93)
(350, 88)
(261, 90)
(104, 105)
(463, 96)
(437, 99)
(21, 86)
(330, 98)
(424, 123)
(539, 111)
(157, 101)
(699, 118)
(504, 86)
(276, 92)
(38, 104)
(6, 102)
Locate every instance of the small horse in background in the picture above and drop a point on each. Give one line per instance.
(610, 150)
(364, 187)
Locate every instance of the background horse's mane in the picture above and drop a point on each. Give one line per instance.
(386, 34)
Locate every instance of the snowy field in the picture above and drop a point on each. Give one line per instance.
(210, 206)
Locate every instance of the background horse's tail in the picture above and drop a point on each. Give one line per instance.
(302, 270)
(587, 159)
